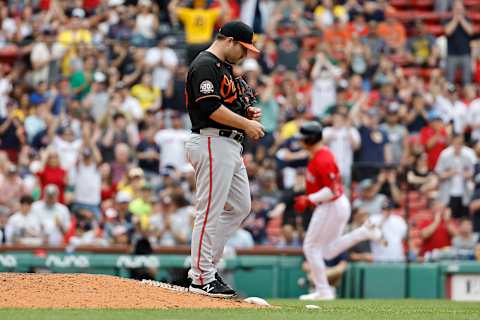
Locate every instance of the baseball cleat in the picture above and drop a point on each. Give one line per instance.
(317, 296)
(219, 278)
(375, 233)
(213, 289)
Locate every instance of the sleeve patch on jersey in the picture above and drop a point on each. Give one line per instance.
(206, 87)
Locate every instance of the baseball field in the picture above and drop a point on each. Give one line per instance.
(90, 297)
(284, 309)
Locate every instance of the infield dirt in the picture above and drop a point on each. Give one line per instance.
(30, 290)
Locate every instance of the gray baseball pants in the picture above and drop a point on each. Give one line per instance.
(222, 199)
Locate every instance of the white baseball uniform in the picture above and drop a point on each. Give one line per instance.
(324, 239)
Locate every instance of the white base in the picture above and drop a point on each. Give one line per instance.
(257, 301)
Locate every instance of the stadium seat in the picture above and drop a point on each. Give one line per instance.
(401, 3)
(423, 4)
(469, 3)
(436, 30)
(424, 73)
(474, 16)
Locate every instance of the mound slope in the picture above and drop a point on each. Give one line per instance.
(25, 290)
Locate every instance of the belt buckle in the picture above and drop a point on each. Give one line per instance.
(238, 137)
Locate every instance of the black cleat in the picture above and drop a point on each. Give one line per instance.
(219, 278)
(214, 289)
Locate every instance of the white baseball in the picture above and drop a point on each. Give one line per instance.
(312, 306)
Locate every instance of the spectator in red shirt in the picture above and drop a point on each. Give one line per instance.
(437, 232)
(434, 138)
(109, 189)
(52, 173)
(90, 5)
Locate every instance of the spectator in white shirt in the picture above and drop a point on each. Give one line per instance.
(451, 108)
(324, 90)
(343, 139)
(23, 227)
(394, 229)
(67, 147)
(87, 181)
(128, 104)
(473, 111)
(5, 88)
(172, 141)
(146, 25)
(54, 216)
(455, 168)
(163, 60)
(40, 59)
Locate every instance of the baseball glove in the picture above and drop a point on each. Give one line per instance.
(247, 96)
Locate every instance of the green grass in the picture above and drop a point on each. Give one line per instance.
(289, 309)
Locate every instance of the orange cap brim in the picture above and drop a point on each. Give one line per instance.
(249, 46)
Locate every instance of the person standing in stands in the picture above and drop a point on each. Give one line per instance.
(199, 21)
(459, 31)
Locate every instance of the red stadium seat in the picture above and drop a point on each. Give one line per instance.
(423, 4)
(402, 15)
(469, 3)
(436, 30)
(424, 73)
(400, 3)
(474, 16)
(432, 15)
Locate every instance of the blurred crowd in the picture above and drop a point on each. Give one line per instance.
(93, 121)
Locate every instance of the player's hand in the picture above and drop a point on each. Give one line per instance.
(254, 113)
(302, 203)
(254, 130)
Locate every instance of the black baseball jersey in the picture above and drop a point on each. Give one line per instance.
(210, 84)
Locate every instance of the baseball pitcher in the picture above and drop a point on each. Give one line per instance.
(220, 106)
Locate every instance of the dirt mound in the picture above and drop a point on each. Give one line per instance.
(24, 290)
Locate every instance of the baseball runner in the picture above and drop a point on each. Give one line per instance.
(220, 108)
(324, 239)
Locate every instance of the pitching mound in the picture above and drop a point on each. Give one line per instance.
(23, 290)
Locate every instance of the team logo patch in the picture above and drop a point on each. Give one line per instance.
(206, 87)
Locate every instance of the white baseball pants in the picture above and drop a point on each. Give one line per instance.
(324, 239)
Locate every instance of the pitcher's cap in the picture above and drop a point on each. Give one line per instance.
(240, 32)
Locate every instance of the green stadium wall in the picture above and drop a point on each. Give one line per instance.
(264, 276)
